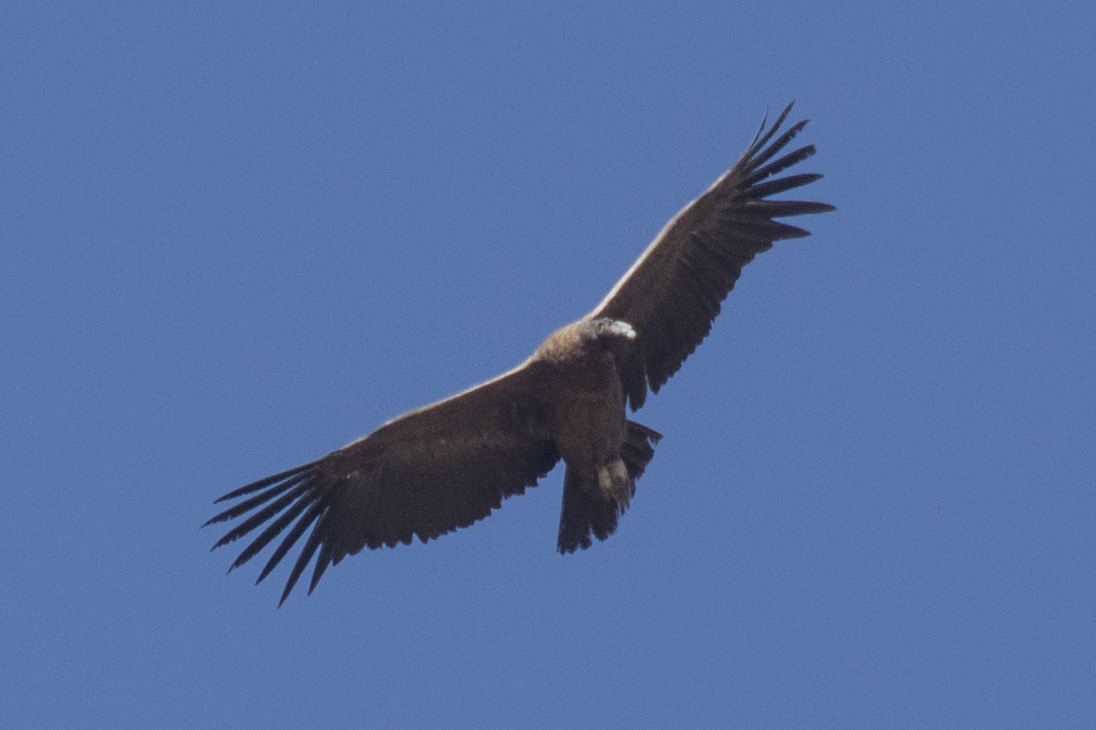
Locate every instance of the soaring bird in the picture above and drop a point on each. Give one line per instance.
(447, 465)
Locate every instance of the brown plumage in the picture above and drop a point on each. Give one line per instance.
(449, 464)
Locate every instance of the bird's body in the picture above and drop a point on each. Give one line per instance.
(585, 408)
(447, 465)
(584, 399)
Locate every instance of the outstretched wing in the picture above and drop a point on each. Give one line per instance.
(425, 473)
(671, 295)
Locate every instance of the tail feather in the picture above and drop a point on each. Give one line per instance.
(589, 509)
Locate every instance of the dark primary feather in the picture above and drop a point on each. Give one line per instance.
(426, 473)
(673, 292)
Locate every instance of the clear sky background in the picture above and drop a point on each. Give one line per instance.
(234, 237)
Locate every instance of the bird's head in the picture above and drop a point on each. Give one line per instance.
(612, 329)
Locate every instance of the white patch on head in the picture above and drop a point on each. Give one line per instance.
(622, 329)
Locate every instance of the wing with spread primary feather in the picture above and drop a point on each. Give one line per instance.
(423, 474)
(672, 294)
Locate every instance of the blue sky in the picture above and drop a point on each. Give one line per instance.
(234, 237)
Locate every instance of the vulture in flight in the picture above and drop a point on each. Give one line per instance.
(449, 464)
